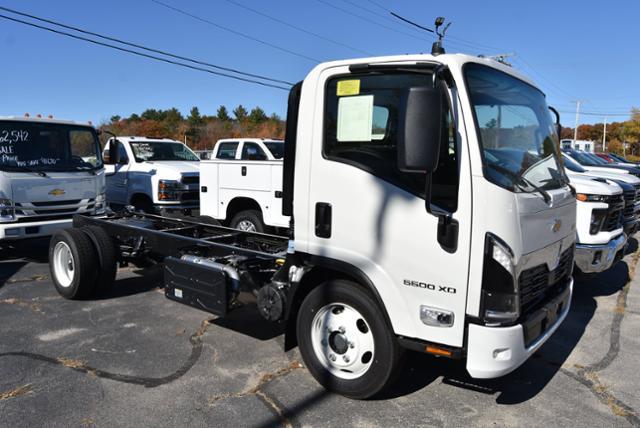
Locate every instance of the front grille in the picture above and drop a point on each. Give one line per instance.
(537, 284)
(49, 210)
(629, 203)
(613, 217)
(189, 196)
(191, 179)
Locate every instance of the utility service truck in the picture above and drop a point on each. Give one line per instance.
(242, 184)
(154, 175)
(429, 211)
(49, 170)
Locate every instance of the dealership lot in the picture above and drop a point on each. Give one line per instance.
(135, 358)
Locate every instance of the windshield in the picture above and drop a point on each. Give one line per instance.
(517, 135)
(572, 165)
(145, 151)
(597, 159)
(48, 147)
(276, 148)
(584, 158)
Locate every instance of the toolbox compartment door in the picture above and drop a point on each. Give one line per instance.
(199, 286)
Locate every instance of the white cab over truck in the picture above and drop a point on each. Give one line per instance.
(429, 211)
(600, 207)
(49, 171)
(155, 175)
(241, 185)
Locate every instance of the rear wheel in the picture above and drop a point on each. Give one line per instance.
(248, 221)
(107, 257)
(72, 260)
(345, 342)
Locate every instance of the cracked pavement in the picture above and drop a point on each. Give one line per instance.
(134, 358)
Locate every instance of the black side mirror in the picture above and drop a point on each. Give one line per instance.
(420, 129)
(558, 125)
(114, 152)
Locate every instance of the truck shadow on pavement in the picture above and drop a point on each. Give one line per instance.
(420, 370)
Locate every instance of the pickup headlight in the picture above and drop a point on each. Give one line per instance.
(168, 190)
(100, 206)
(500, 302)
(583, 197)
(7, 210)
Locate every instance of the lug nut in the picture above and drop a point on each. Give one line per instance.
(342, 329)
(352, 345)
(332, 357)
(346, 358)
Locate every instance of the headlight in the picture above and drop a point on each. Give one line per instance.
(597, 219)
(583, 197)
(500, 303)
(168, 190)
(100, 206)
(7, 210)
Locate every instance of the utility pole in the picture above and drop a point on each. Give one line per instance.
(575, 131)
(604, 136)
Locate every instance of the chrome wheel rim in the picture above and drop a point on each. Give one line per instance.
(246, 226)
(63, 264)
(342, 341)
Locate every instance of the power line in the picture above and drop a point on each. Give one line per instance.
(113, 39)
(295, 27)
(231, 30)
(370, 21)
(591, 113)
(142, 54)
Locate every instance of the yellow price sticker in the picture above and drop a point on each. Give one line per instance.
(348, 87)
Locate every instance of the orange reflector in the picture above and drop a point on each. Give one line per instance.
(438, 351)
(581, 197)
(279, 262)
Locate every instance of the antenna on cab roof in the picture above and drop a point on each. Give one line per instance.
(436, 48)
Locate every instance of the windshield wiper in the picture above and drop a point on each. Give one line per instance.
(27, 169)
(520, 179)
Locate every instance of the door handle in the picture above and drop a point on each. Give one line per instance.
(323, 220)
(244, 171)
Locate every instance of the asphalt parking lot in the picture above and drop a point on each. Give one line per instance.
(134, 358)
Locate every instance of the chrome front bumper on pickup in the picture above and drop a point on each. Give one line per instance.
(598, 258)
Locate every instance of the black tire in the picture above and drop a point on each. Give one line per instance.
(205, 219)
(143, 203)
(81, 281)
(251, 216)
(107, 257)
(386, 355)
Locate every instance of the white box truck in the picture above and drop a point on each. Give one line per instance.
(241, 186)
(49, 170)
(429, 211)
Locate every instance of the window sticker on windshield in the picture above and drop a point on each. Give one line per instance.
(348, 87)
(355, 118)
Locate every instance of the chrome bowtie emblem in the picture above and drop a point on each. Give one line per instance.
(556, 225)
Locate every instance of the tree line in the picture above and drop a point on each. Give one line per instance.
(619, 134)
(199, 131)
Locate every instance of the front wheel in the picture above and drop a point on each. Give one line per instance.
(345, 341)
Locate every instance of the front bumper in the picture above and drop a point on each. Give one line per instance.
(177, 209)
(36, 229)
(598, 258)
(497, 351)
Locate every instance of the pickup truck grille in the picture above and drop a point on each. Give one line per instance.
(537, 284)
(631, 197)
(613, 218)
(191, 179)
(189, 196)
(51, 210)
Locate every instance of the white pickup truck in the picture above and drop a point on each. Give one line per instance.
(241, 185)
(600, 236)
(49, 170)
(155, 175)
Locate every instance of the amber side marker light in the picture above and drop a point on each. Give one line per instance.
(581, 197)
(438, 351)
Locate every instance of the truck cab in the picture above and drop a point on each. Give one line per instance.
(155, 175)
(256, 149)
(49, 170)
